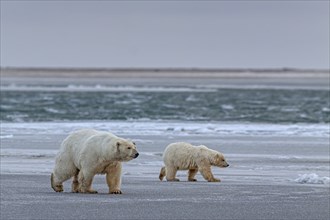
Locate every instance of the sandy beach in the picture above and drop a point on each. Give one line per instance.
(261, 183)
(30, 197)
(214, 78)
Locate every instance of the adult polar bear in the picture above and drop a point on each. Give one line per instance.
(184, 156)
(87, 152)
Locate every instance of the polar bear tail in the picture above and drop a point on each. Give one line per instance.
(162, 173)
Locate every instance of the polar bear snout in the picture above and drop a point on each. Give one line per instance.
(220, 161)
(134, 153)
(224, 164)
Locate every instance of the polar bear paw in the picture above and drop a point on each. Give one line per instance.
(117, 191)
(214, 180)
(90, 191)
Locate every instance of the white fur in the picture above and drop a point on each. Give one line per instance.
(87, 152)
(184, 156)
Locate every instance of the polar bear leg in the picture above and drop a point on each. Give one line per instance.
(57, 186)
(207, 174)
(191, 174)
(171, 173)
(114, 178)
(75, 183)
(62, 172)
(85, 178)
(162, 173)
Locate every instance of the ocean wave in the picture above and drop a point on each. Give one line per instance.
(165, 103)
(6, 136)
(312, 178)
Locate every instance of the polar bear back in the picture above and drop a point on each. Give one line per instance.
(77, 143)
(184, 155)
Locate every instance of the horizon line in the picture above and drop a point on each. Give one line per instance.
(169, 69)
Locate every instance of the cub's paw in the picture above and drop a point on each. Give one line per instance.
(116, 192)
(58, 188)
(215, 180)
(92, 191)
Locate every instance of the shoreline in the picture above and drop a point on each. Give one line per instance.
(97, 79)
(165, 72)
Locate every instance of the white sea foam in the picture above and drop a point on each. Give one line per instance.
(100, 88)
(227, 107)
(312, 178)
(6, 136)
(56, 111)
(170, 128)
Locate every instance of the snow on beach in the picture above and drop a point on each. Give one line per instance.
(170, 127)
(312, 178)
(257, 153)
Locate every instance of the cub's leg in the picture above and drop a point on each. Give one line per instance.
(114, 178)
(171, 173)
(207, 174)
(191, 174)
(162, 173)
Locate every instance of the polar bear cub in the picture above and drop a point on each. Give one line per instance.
(184, 156)
(88, 152)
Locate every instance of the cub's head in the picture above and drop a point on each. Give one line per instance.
(219, 160)
(126, 150)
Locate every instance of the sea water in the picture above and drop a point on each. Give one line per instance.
(81, 103)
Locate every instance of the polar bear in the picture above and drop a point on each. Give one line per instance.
(87, 152)
(184, 156)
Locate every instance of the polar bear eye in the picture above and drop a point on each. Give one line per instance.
(129, 148)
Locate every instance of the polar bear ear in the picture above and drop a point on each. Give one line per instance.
(117, 145)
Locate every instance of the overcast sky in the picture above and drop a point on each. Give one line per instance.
(211, 34)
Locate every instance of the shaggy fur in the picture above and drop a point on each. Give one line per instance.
(184, 156)
(85, 153)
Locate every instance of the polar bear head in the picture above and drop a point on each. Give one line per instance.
(126, 150)
(219, 160)
(214, 157)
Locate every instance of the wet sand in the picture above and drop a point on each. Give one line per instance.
(253, 187)
(30, 197)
